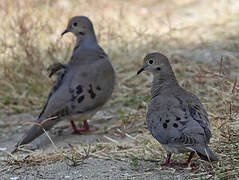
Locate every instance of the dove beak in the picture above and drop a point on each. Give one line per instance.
(66, 31)
(141, 69)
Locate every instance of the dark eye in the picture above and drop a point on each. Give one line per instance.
(151, 61)
(75, 24)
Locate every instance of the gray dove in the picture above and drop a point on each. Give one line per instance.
(82, 86)
(175, 117)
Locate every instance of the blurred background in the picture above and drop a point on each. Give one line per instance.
(200, 37)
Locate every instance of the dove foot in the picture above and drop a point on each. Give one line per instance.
(182, 164)
(187, 162)
(85, 128)
(168, 163)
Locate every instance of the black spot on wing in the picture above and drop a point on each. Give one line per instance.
(91, 92)
(175, 125)
(98, 88)
(167, 120)
(80, 99)
(79, 89)
(178, 118)
(165, 125)
(75, 93)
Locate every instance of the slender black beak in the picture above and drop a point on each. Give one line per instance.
(66, 31)
(141, 70)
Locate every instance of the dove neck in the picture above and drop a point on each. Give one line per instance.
(163, 83)
(88, 39)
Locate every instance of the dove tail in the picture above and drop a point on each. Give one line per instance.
(35, 131)
(205, 153)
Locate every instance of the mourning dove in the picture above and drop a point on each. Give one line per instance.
(175, 117)
(83, 86)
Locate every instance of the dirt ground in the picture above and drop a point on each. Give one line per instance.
(194, 34)
(90, 168)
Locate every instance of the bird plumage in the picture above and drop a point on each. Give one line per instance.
(175, 117)
(84, 84)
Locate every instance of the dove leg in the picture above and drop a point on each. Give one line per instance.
(85, 128)
(190, 157)
(188, 160)
(167, 161)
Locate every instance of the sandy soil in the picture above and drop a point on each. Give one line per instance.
(11, 128)
(91, 168)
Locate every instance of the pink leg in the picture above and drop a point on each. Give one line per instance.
(188, 160)
(167, 161)
(81, 130)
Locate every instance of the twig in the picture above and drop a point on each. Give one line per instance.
(112, 140)
(221, 65)
(234, 86)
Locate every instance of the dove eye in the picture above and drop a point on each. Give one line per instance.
(151, 61)
(75, 24)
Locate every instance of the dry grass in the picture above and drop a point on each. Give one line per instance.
(30, 41)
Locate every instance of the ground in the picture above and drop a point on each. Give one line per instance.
(200, 37)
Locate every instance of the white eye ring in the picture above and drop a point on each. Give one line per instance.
(150, 61)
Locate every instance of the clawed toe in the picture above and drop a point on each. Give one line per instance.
(167, 164)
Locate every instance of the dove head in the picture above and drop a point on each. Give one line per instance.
(80, 26)
(157, 64)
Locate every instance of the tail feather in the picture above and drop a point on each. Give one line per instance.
(205, 153)
(35, 131)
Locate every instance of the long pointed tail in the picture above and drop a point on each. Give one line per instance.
(35, 131)
(205, 153)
